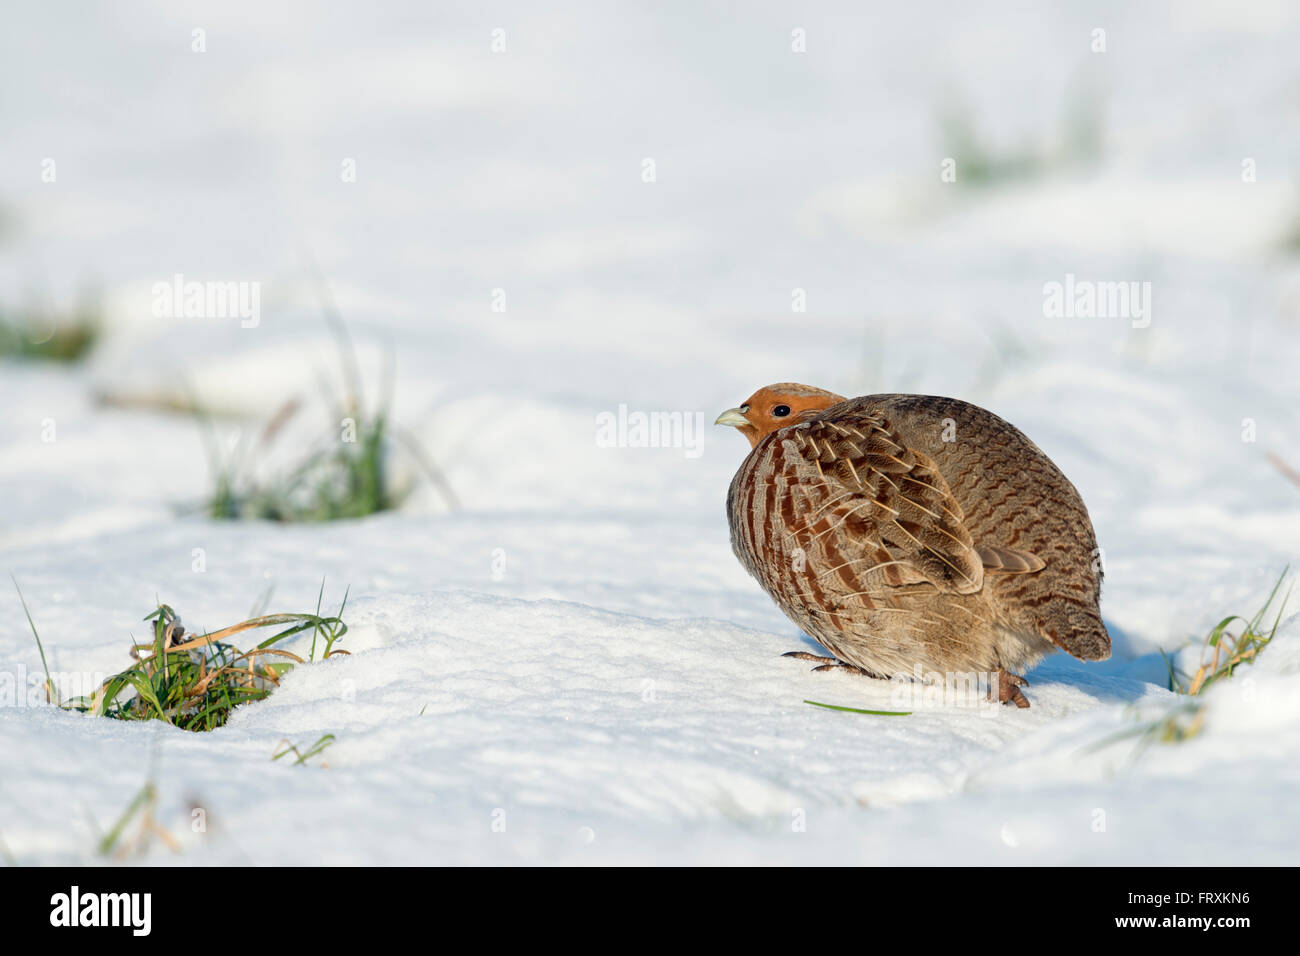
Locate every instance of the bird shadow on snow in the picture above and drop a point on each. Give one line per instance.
(1125, 682)
(1122, 678)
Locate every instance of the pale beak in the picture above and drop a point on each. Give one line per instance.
(732, 416)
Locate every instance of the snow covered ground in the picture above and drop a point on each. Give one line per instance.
(573, 667)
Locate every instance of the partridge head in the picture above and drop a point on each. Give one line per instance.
(776, 406)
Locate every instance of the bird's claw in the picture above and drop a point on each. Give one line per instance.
(825, 663)
(1008, 689)
(805, 656)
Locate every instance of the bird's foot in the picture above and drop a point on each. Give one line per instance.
(825, 663)
(1008, 689)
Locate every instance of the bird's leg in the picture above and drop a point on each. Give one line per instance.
(1009, 689)
(825, 663)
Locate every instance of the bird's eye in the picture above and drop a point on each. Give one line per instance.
(781, 411)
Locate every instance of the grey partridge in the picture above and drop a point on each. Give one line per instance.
(912, 531)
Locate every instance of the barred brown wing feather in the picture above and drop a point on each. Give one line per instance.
(897, 493)
(1009, 560)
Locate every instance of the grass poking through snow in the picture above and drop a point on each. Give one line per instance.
(194, 681)
(51, 694)
(1224, 650)
(343, 474)
(142, 805)
(38, 336)
(980, 164)
(303, 755)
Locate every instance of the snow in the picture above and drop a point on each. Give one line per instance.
(573, 668)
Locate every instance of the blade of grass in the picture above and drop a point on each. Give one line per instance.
(857, 710)
(111, 838)
(51, 691)
(320, 596)
(302, 756)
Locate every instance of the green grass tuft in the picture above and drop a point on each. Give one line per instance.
(344, 474)
(1078, 144)
(303, 755)
(194, 682)
(115, 842)
(1223, 653)
(35, 337)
